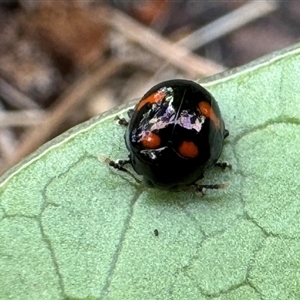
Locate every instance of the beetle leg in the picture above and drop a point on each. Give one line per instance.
(223, 165)
(119, 165)
(121, 121)
(226, 133)
(202, 187)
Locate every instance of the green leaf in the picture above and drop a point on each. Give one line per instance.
(73, 228)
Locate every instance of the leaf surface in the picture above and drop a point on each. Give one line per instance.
(73, 228)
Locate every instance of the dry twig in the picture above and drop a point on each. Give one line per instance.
(63, 106)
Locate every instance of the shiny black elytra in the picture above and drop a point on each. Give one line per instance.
(175, 133)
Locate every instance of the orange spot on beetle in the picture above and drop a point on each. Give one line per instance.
(153, 98)
(150, 140)
(208, 112)
(188, 149)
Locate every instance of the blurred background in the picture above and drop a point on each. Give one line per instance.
(63, 62)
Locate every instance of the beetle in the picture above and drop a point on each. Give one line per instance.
(174, 134)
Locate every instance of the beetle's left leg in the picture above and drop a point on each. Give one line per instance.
(123, 121)
(117, 164)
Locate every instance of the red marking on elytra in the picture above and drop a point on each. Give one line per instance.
(153, 98)
(188, 149)
(208, 112)
(150, 140)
